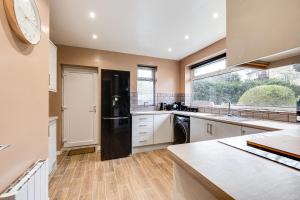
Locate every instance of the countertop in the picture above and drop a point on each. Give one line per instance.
(267, 125)
(234, 174)
(231, 173)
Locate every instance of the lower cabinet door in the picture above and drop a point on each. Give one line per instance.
(223, 130)
(52, 146)
(142, 140)
(163, 128)
(201, 130)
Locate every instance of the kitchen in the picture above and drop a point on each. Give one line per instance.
(129, 100)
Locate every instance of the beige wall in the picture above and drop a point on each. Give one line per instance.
(168, 80)
(256, 29)
(24, 99)
(208, 52)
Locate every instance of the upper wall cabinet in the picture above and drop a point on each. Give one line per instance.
(259, 30)
(52, 67)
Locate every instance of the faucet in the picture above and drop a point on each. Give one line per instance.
(229, 105)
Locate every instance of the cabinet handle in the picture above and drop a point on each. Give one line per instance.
(210, 129)
(143, 118)
(142, 141)
(142, 125)
(142, 132)
(170, 120)
(243, 132)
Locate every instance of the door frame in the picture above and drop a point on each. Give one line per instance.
(82, 69)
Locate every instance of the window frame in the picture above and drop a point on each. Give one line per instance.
(153, 79)
(203, 63)
(210, 61)
(268, 108)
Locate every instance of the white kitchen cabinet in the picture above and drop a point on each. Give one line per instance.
(163, 128)
(224, 130)
(52, 127)
(142, 130)
(52, 67)
(248, 131)
(200, 130)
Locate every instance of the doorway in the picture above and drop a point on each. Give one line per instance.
(79, 106)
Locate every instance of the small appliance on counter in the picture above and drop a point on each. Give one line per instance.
(298, 111)
(162, 106)
(180, 106)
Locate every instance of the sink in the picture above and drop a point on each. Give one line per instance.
(231, 117)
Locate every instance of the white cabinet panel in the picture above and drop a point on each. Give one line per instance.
(201, 130)
(248, 131)
(163, 128)
(223, 130)
(142, 130)
(52, 67)
(52, 145)
(142, 140)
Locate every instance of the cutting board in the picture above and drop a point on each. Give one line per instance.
(285, 145)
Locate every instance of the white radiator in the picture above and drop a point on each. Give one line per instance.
(33, 185)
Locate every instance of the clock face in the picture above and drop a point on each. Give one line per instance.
(28, 20)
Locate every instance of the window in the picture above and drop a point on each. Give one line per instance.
(209, 66)
(272, 89)
(146, 85)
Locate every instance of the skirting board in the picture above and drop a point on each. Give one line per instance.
(98, 148)
(150, 148)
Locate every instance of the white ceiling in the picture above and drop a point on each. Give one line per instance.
(142, 27)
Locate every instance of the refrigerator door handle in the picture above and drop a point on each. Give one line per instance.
(108, 118)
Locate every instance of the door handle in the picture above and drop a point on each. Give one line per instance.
(93, 109)
(63, 108)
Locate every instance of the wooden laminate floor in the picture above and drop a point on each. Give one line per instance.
(142, 176)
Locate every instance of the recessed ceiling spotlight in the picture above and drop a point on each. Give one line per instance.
(186, 37)
(215, 15)
(92, 15)
(170, 49)
(95, 36)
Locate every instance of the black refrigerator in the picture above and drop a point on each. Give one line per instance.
(115, 114)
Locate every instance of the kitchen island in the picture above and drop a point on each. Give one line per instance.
(212, 170)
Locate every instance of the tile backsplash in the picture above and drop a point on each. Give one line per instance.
(175, 97)
(159, 97)
(257, 114)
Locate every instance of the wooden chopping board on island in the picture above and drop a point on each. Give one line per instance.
(284, 145)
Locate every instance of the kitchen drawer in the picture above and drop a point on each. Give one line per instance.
(141, 132)
(143, 126)
(142, 118)
(142, 140)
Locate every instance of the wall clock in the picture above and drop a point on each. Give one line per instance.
(24, 19)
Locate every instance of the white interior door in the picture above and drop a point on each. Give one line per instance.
(79, 105)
